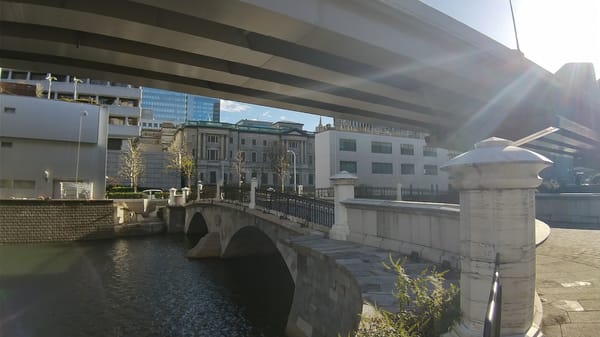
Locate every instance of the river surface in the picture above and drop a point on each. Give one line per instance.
(139, 287)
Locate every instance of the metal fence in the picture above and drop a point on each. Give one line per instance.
(310, 209)
(390, 193)
(240, 194)
(493, 315)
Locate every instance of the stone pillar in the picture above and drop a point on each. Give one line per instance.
(253, 184)
(399, 192)
(343, 189)
(186, 194)
(172, 192)
(199, 193)
(300, 189)
(218, 192)
(497, 184)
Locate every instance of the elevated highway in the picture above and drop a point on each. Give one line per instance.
(400, 62)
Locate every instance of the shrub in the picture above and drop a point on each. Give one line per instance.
(426, 307)
(125, 195)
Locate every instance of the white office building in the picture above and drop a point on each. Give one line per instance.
(50, 148)
(379, 160)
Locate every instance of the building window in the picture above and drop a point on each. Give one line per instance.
(275, 179)
(254, 157)
(311, 179)
(310, 159)
(230, 140)
(348, 166)
(264, 143)
(7, 144)
(429, 151)
(212, 139)
(254, 142)
(230, 154)
(212, 154)
(407, 169)
(264, 155)
(381, 147)
(430, 170)
(10, 110)
(292, 144)
(212, 177)
(243, 141)
(348, 145)
(381, 168)
(407, 149)
(19, 75)
(264, 178)
(243, 156)
(114, 144)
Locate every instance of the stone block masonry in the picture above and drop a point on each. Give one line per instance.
(31, 221)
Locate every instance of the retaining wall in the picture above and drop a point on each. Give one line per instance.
(570, 208)
(29, 221)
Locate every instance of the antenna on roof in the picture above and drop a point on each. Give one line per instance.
(512, 13)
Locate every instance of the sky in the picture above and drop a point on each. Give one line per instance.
(550, 33)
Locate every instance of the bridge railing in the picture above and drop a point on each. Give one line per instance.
(234, 193)
(311, 209)
(390, 193)
(493, 319)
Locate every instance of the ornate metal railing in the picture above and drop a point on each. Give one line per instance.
(310, 209)
(493, 315)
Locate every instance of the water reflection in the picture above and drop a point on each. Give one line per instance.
(139, 287)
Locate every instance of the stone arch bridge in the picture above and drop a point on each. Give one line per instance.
(335, 281)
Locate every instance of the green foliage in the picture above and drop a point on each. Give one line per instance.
(125, 195)
(426, 308)
(120, 189)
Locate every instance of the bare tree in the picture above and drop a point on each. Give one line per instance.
(280, 163)
(238, 165)
(132, 163)
(182, 161)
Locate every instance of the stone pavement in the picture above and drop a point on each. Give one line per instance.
(568, 281)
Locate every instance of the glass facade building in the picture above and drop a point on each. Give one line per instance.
(178, 107)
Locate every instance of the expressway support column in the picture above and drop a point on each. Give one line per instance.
(497, 184)
(343, 189)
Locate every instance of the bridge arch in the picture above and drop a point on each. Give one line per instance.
(197, 225)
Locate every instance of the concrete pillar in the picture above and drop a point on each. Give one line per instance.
(172, 192)
(253, 184)
(399, 191)
(199, 193)
(343, 189)
(300, 189)
(218, 193)
(186, 194)
(497, 184)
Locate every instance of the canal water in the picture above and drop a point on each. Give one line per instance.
(139, 287)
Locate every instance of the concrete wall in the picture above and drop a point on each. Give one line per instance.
(39, 135)
(570, 208)
(429, 229)
(28, 221)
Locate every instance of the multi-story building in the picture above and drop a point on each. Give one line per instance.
(379, 157)
(66, 160)
(215, 147)
(176, 107)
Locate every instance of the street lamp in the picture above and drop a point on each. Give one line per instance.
(50, 78)
(294, 155)
(83, 114)
(75, 81)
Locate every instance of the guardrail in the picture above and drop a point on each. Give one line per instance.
(314, 210)
(493, 315)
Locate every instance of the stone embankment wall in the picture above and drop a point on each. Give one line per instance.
(430, 230)
(30, 221)
(569, 208)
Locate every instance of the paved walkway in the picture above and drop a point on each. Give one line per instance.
(568, 282)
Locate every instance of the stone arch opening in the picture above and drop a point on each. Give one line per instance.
(264, 278)
(197, 226)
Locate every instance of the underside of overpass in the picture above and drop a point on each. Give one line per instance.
(399, 62)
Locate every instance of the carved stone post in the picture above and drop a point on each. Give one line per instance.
(343, 189)
(253, 184)
(497, 184)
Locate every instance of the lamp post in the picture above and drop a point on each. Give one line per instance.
(294, 155)
(50, 78)
(83, 114)
(75, 81)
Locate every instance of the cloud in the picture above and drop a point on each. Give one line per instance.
(267, 114)
(232, 106)
(283, 118)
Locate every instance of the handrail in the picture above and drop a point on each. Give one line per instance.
(493, 315)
